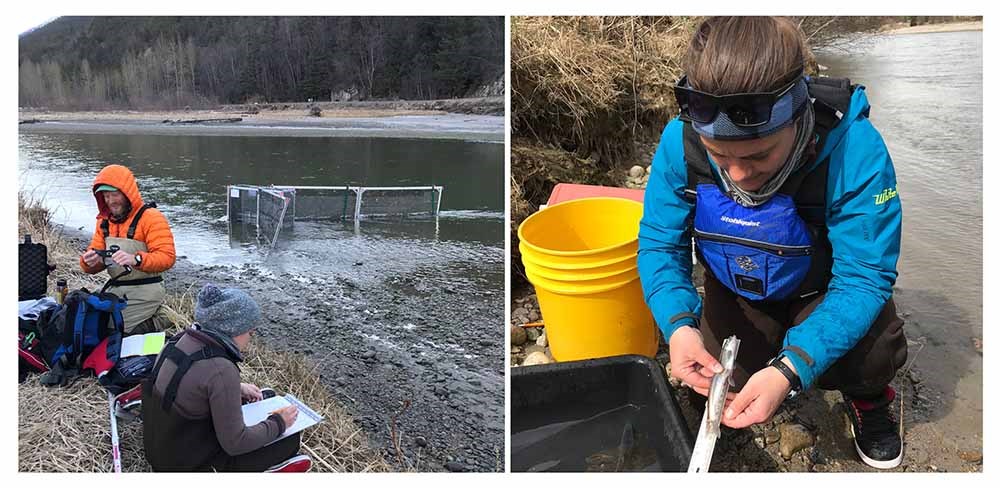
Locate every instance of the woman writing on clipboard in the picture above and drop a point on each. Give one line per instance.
(192, 416)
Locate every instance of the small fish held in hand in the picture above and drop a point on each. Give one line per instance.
(720, 384)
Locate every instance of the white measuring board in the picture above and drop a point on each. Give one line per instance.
(704, 445)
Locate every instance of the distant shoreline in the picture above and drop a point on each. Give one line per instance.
(472, 119)
(930, 28)
(383, 123)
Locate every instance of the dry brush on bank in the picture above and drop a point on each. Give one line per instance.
(589, 96)
(68, 429)
(584, 91)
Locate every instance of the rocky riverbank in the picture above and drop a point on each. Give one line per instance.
(810, 433)
(478, 119)
(493, 105)
(484, 128)
(435, 407)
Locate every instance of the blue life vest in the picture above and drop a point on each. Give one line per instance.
(778, 250)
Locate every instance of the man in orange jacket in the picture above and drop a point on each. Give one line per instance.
(144, 244)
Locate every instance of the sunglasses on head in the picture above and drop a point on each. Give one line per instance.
(743, 109)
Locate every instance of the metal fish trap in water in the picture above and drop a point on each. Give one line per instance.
(271, 208)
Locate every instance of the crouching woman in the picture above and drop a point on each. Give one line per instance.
(192, 415)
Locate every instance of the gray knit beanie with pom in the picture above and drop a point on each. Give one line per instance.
(230, 311)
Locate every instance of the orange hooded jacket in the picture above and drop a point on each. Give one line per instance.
(153, 228)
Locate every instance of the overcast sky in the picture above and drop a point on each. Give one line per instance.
(27, 21)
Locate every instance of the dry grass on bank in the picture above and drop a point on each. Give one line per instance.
(593, 84)
(584, 92)
(68, 429)
(535, 170)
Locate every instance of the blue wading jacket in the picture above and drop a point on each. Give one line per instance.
(864, 218)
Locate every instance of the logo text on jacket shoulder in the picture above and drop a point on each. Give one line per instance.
(885, 196)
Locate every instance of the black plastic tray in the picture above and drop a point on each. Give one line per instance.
(609, 414)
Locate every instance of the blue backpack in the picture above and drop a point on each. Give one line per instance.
(76, 328)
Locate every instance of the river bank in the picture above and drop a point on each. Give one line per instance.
(466, 119)
(808, 434)
(66, 429)
(443, 408)
(403, 360)
(403, 319)
(484, 128)
(903, 28)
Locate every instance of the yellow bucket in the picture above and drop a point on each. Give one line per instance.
(575, 262)
(606, 317)
(587, 229)
(581, 257)
(625, 266)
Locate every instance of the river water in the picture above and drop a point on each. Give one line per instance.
(395, 312)
(926, 94)
(187, 177)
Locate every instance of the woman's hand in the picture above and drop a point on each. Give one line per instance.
(758, 400)
(288, 414)
(250, 393)
(690, 362)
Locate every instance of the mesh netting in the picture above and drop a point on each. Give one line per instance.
(392, 202)
(270, 209)
(272, 206)
(323, 204)
(243, 204)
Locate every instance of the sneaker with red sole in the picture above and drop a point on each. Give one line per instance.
(294, 464)
(876, 430)
(128, 405)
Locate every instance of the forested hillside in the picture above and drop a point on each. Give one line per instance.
(171, 62)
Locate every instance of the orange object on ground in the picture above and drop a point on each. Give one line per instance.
(571, 191)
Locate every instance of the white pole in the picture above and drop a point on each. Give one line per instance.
(357, 203)
(229, 212)
(341, 187)
(116, 455)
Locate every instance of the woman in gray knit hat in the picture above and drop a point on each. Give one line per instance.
(192, 417)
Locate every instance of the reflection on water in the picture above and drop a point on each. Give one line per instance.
(187, 177)
(372, 250)
(926, 93)
(612, 440)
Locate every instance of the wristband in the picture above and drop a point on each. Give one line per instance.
(793, 379)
